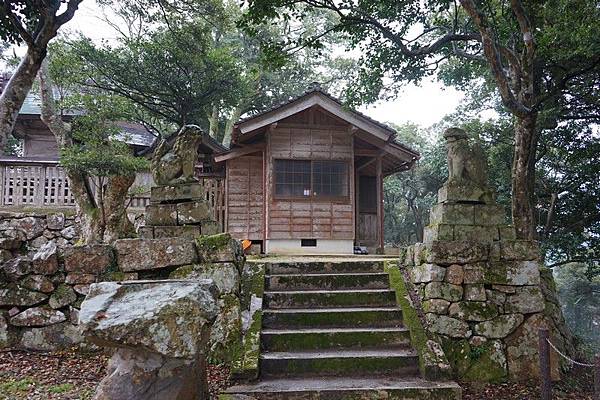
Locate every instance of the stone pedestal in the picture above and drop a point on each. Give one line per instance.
(481, 289)
(178, 211)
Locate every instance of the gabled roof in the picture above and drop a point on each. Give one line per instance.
(318, 97)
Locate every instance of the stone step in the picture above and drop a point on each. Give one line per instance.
(329, 298)
(337, 281)
(332, 318)
(323, 267)
(331, 338)
(334, 362)
(346, 388)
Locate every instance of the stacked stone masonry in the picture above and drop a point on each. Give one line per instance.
(482, 291)
(178, 211)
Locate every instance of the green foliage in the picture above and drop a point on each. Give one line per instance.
(409, 195)
(580, 296)
(99, 149)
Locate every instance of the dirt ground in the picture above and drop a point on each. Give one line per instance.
(69, 375)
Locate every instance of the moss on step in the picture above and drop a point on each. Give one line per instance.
(245, 360)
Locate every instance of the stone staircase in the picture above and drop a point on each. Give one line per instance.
(332, 330)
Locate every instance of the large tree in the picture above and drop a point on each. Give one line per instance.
(100, 167)
(534, 50)
(35, 24)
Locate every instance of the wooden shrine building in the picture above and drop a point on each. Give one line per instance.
(307, 177)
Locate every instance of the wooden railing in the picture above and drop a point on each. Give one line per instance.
(215, 196)
(41, 183)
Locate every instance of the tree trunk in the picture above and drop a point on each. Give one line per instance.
(523, 177)
(15, 92)
(118, 225)
(99, 224)
(213, 123)
(235, 116)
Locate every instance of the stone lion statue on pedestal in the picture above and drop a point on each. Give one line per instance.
(467, 162)
(174, 159)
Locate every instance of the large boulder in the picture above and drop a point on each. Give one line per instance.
(163, 317)
(134, 374)
(224, 275)
(160, 330)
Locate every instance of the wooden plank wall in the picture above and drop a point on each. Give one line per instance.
(245, 205)
(310, 218)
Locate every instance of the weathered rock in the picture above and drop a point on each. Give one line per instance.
(15, 268)
(475, 293)
(427, 273)
(443, 290)
(12, 238)
(161, 214)
(45, 260)
(499, 327)
(473, 310)
(224, 275)
(62, 297)
(522, 350)
(527, 299)
(193, 213)
(438, 232)
(15, 295)
(220, 248)
(523, 273)
(69, 232)
(455, 252)
(33, 227)
(448, 326)
(476, 233)
(211, 228)
(74, 315)
(165, 317)
(437, 306)
(38, 242)
(38, 316)
(51, 338)
(38, 282)
(462, 214)
(75, 278)
(82, 289)
(455, 274)
(188, 231)
(175, 193)
(4, 339)
(519, 250)
(225, 335)
(144, 254)
(138, 375)
(90, 259)
(55, 221)
(477, 360)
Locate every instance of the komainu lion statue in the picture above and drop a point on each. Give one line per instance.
(467, 163)
(175, 157)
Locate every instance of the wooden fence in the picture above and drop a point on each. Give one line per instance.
(41, 183)
(215, 196)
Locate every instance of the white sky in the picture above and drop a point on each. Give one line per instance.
(423, 105)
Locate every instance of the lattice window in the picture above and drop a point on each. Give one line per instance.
(303, 178)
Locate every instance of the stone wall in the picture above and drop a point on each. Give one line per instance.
(41, 289)
(484, 294)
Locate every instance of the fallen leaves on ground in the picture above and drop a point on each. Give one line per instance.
(578, 384)
(67, 375)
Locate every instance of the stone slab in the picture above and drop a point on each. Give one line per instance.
(176, 193)
(464, 194)
(192, 213)
(146, 254)
(452, 214)
(161, 214)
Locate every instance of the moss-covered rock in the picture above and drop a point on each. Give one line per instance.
(62, 297)
(432, 361)
(225, 340)
(220, 248)
(483, 363)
